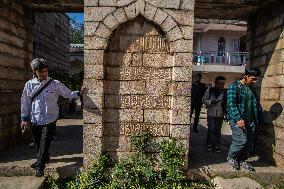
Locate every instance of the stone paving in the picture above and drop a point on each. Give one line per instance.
(66, 153)
(204, 164)
(67, 158)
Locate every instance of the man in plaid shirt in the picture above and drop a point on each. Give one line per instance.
(242, 108)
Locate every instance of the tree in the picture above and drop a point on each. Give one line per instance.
(76, 32)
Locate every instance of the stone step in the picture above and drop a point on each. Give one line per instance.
(22, 182)
(235, 183)
(62, 166)
(265, 175)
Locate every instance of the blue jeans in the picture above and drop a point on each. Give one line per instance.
(214, 130)
(242, 141)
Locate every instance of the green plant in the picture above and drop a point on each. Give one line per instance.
(171, 155)
(136, 171)
(95, 177)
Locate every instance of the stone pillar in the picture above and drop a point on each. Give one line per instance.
(138, 73)
(15, 56)
(266, 51)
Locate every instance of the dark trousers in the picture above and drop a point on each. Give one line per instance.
(242, 142)
(214, 130)
(196, 108)
(43, 135)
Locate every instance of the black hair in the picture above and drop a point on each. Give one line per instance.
(253, 72)
(219, 78)
(199, 75)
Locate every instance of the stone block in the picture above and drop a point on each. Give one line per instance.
(91, 3)
(187, 32)
(92, 147)
(168, 24)
(171, 4)
(179, 117)
(174, 34)
(181, 45)
(116, 144)
(155, 130)
(182, 88)
(111, 22)
(119, 59)
(157, 60)
(93, 71)
(93, 130)
(103, 31)
(182, 17)
(120, 15)
(94, 86)
(107, 3)
(93, 101)
(138, 73)
(279, 159)
(124, 87)
(183, 59)
(160, 16)
(131, 11)
(119, 115)
(180, 131)
(137, 59)
(279, 132)
(187, 5)
(138, 101)
(181, 103)
(279, 147)
(157, 116)
(270, 93)
(182, 73)
(95, 43)
(96, 14)
(92, 115)
(156, 87)
(140, 7)
(90, 28)
(94, 57)
(150, 11)
(113, 129)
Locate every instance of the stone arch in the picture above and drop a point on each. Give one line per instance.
(99, 30)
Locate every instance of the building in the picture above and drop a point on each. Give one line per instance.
(219, 49)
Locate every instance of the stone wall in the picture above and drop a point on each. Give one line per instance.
(266, 49)
(24, 35)
(15, 56)
(51, 39)
(136, 72)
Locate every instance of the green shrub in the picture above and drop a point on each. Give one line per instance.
(94, 177)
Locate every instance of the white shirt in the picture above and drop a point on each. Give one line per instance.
(44, 109)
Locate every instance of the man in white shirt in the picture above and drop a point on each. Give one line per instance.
(39, 107)
(213, 99)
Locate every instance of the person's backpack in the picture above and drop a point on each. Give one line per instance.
(224, 100)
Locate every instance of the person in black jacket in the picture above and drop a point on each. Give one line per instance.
(197, 92)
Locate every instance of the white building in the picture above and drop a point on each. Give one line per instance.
(219, 49)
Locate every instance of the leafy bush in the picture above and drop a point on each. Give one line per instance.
(94, 177)
(137, 171)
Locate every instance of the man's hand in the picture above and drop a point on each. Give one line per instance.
(241, 124)
(24, 125)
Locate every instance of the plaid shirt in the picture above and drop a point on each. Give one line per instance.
(237, 102)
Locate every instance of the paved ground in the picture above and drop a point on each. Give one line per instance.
(24, 182)
(66, 156)
(66, 153)
(204, 164)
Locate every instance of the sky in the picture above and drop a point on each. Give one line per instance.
(78, 17)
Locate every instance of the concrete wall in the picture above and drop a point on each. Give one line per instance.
(15, 56)
(51, 39)
(266, 49)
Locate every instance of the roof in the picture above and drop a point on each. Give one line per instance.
(76, 47)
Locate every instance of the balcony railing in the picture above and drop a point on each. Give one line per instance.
(219, 58)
